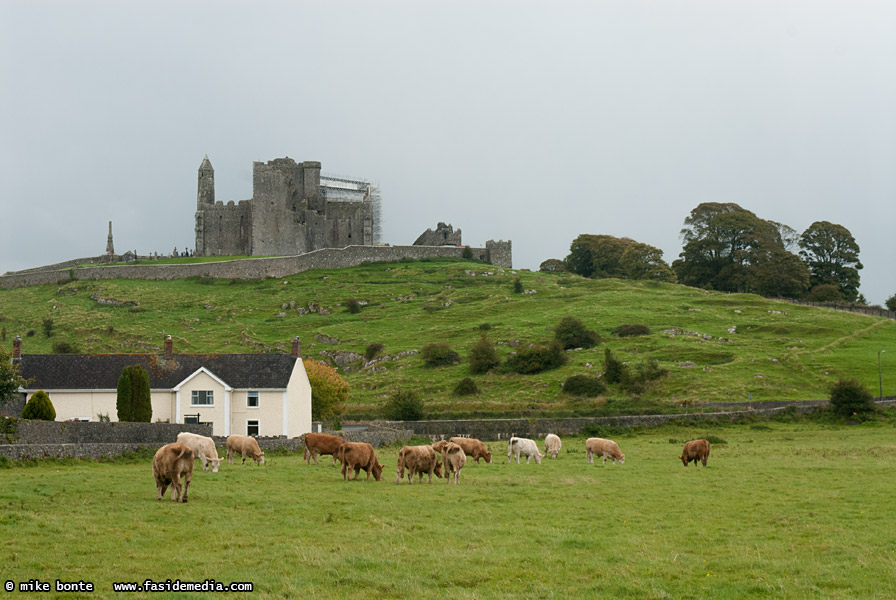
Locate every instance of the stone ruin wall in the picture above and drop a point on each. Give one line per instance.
(259, 268)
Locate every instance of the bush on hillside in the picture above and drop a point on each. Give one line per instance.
(537, 358)
(353, 306)
(439, 354)
(572, 333)
(614, 369)
(39, 407)
(891, 304)
(517, 286)
(483, 357)
(373, 350)
(849, 397)
(329, 390)
(63, 347)
(403, 405)
(48, 325)
(631, 330)
(467, 253)
(552, 265)
(465, 387)
(636, 382)
(584, 385)
(825, 292)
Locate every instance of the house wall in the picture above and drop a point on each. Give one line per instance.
(217, 414)
(299, 401)
(77, 404)
(269, 412)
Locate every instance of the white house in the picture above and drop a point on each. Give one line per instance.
(251, 394)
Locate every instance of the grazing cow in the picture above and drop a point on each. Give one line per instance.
(357, 456)
(418, 460)
(439, 446)
(321, 443)
(203, 448)
(607, 448)
(525, 447)
(170, 463)
(244, 444)
(695, 450)
(473, 448)
(454, 458)
(552, 445)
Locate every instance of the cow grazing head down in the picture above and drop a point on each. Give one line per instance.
(170, 463)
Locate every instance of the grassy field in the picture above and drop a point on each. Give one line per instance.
(779, 351)
(782, 511)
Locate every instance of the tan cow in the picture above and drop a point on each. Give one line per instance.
(418, 460)
(203, 448)
(243, 445)
(453, 458)
(170, 463)
(439, 446)
(356, 456)
(473, 448)
(607, 448)
(321, 443)
(552, 445)
(695, 450)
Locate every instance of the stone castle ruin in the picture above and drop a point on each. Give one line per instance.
(293, 210)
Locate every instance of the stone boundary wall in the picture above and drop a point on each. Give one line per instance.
(504, 429)
(246, 268)
(13, 407)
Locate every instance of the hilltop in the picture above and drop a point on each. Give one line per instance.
(778, 351)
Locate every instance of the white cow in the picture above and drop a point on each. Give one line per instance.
(203, 448)
(524, 447)
(552, 445)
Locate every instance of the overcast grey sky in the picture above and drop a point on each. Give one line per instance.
(529, 121)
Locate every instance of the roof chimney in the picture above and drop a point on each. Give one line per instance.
(17, 348)
(296, 347)
(169, 347)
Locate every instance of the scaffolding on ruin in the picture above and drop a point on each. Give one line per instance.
(348, 189)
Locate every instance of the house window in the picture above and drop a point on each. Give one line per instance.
(203, 398)
(252, 427)
(252, 400)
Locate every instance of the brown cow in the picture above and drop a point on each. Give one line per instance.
(418, 460)
(605, 448)
(473, 448)
(695, 450)
(244, 444)
(454, 458)
(439, 446)
(321, 443)
(168, 465)
(357, 456)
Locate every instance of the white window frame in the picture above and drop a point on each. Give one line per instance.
(249, 396)
(257, 425)
(194, 394)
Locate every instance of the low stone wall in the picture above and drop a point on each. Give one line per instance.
(29, 432)
(13, 407)
(250, 268)
(504, 429)
(94, 451)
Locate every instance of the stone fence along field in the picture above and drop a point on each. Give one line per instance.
(498, 253)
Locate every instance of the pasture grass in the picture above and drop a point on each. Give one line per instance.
(784, 510)
(780, 351)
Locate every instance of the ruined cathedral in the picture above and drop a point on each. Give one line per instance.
(293, 210)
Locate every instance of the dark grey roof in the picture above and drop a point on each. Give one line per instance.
(101, 371)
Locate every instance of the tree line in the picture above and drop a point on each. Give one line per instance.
(730, 249)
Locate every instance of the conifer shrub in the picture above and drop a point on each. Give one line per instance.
(39, 407)
(572, 333)
(373, 350)
(48, 324)
(584, 385)
(483, 357)
(537, 358)
(132, 401)
(465, 387)
(403, 405)
(517, 286)
(439, 354)
(631, 330)
(849, 397)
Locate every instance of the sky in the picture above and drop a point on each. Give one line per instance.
(528, 121)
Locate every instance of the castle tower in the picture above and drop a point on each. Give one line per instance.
(206, 194)
(110, 247)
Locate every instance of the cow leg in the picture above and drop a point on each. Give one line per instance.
(175, 489)
(187, 479)
(160, 488)
(230, 455)
(357, 471)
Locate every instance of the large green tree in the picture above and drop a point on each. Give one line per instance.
(10, 380)
(832, 256)
(729, 248)
(133, 402)
(602, 256)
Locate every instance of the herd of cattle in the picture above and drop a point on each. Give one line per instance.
(444, 458)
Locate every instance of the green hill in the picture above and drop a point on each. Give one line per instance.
(779, 351)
